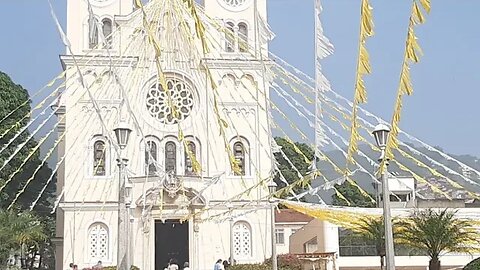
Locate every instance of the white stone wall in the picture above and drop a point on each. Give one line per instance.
(88, 198)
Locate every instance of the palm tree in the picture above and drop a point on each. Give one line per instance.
(437, 232)
(373, 230)
(19, 231)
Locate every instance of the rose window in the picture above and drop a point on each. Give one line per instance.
(234, 3)
(171, 106)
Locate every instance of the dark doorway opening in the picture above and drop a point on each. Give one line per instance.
(171, 242)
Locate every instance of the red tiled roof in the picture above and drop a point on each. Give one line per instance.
(290, 215)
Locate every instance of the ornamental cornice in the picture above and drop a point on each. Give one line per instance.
(234, 63)
(239, 110)
(88, 206)
(98, 60)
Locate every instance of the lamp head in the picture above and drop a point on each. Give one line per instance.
(381, 135)
(272, 187)
(122, 132)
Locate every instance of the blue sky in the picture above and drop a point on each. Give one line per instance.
(442, 110)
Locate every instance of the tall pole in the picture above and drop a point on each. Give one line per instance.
(231, 260)
(387, 218)
(122, 261)
(274, 238)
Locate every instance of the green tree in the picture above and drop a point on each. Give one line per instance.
(473, 265)
(373, 230)
(353, 195)
(20, 233)
(14, 98)
(24, 229)
(296, 159)
(438, 232)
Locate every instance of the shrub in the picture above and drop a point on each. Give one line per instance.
(257, 266)
(285, 262)
(473, 265)
(113, 268)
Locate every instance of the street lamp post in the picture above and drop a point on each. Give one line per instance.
(122, 132)
(231, 260)
(272, 188)
(381, 135)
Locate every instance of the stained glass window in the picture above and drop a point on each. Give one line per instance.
(239, 154)
(192, 149)
(229, 37)
(107, 32)
(171, 157)
(92, 32)
(99, 156)
(151, 156)
(243, 37)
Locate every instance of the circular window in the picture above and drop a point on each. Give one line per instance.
(173, 105)
(235, 5)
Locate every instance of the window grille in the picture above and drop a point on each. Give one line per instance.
(242, 237)
(280, 236)
(98, 242)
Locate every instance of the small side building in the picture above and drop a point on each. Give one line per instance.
(287, 222)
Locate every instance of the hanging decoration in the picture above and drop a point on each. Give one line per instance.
(363, 68)
(323, 48)
(412, 55)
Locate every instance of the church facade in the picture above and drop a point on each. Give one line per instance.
(199, 157)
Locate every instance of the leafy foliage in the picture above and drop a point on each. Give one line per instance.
(296, 159)
(19, 230)
(133, 267)
(353, 196)
(285, 262)
(22, 231)
(473, 265)
(372, 229)
(14, 98)
(437, 232)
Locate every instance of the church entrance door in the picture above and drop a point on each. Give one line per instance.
(171, 242)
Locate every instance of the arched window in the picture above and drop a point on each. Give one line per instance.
(151, 156)
(171, 157)
(192, 150)
(98, 242)
(242, 240)
(99, 158)
(243, 37)
(107, 32)
(239, 154)
(92, 32)
(229, 37)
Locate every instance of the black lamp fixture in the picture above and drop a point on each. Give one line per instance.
(381, 135)
(122, 132)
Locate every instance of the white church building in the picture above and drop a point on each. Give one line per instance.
(181, 189)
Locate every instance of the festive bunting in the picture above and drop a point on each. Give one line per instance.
(363, 68)
(412, 55)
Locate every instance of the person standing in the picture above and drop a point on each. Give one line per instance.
(172, 265)
(186, 266)
(218, 265)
